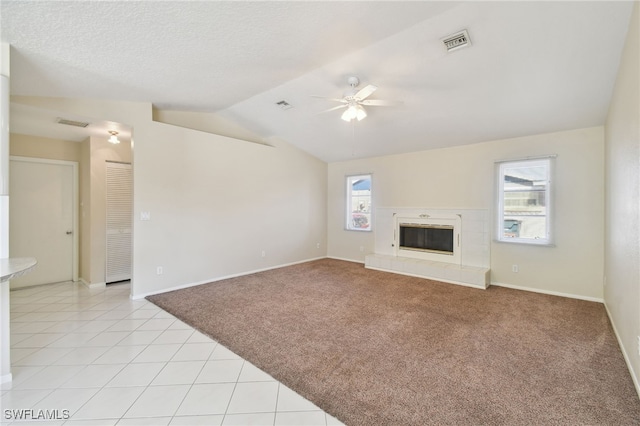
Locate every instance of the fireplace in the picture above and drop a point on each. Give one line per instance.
(428, 238)
(434, 244)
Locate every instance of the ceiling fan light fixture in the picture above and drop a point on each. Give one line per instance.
(354, 111)
(354, 100)
(350, 113)
(114, 137)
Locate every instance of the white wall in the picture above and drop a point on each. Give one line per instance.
(202, 190)
(206, 122)
(464, 178)
(217, 203)
(622, 244)
(5, 343)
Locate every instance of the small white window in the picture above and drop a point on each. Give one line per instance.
(359, 203)
(524, 201)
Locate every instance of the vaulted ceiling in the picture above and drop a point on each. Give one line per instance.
(532, 67)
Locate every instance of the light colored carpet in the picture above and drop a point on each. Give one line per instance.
(371, 347)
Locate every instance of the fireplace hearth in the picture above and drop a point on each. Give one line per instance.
(444, 245)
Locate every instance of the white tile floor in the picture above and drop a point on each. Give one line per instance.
(109, 360)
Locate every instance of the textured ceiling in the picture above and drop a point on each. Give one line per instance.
(186, 55)
(533, 67)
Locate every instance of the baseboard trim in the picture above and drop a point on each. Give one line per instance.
(346, 260)
(550, 292)
(93, 286)
(627, 360)
(226, 277)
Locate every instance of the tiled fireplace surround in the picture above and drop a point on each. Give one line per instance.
(473, 269)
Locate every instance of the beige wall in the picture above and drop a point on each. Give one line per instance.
(203, 191)
(622, 244)
(464, 178)
(39, 147)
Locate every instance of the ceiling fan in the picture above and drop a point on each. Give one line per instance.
(354, 101)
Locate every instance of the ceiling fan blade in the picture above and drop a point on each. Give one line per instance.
(376, 102)
(330, 99)
(333, 109)
(365, 92)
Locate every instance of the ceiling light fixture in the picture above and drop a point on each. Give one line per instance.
(114, 137)
(354, 110)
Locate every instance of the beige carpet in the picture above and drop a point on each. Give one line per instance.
(373, 348)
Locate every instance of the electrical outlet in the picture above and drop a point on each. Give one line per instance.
(264, 253)
(361, 248)
(317, 245)
(515, 268)
(159, 270)
(145, 215)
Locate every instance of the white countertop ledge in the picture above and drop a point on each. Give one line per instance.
(14, 267)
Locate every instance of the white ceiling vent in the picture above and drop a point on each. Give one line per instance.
(284, 105)
(72, 122)
(457, 41)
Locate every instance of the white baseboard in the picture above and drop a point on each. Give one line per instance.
(211, 280)
(634, 378)
(346, 260)
(550, 292)
(93, 286)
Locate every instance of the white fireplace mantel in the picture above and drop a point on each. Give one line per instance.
(471, 267)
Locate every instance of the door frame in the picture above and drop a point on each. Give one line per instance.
(75, 206)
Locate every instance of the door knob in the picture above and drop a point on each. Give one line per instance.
(69, 232)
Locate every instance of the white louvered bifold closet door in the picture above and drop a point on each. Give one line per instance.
(119, 221)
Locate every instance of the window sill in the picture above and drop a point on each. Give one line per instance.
(525, 243)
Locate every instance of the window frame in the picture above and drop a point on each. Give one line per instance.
(348, 202)
(501, 166)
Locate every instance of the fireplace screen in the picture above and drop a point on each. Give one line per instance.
(429, 238)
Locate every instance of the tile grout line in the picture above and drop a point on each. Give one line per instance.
(275, 414)
(192, 383)
(226, 411)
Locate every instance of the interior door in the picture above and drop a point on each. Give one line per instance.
(42, 218)
(119, 221)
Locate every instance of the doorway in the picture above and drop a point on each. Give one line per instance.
(119, 221)
(43, 218)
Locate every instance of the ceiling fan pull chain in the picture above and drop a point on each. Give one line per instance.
(353, 138)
